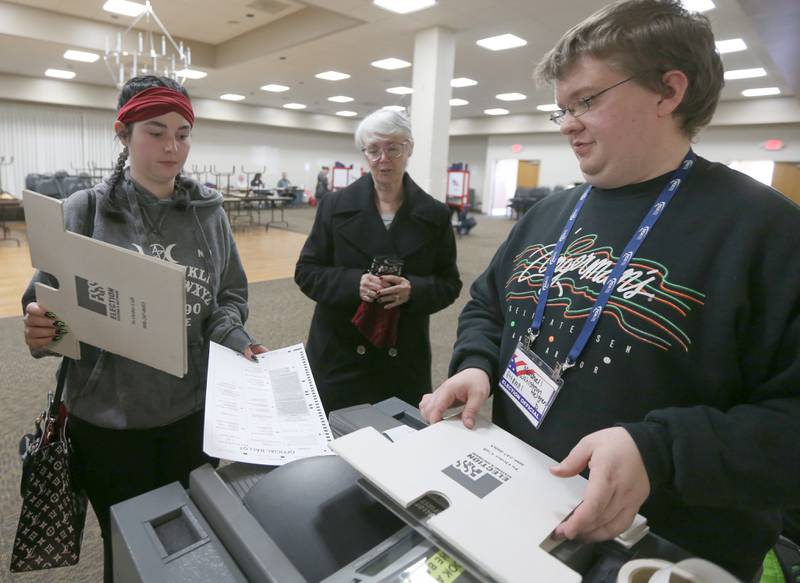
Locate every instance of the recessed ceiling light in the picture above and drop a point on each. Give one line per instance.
(391, 64)
(60, 73)
(400, 90)
(455, 102)
(495, 111)
(511, 96)
(745, 73)
(81, 56)
(332, 76)
(462, 82)
(697, 5)
(732, 45)
(501, 42)
(548, 107)
(191, 73)
(761, 91)
(294, 106)
(340, 99)
(232, 97)
(404, 6)
(124, 7)
(346, 113)
(274, 88)
(394, 107)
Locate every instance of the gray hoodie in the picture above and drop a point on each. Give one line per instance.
(191, 229)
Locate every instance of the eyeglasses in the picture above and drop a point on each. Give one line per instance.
(393, 151)
(580, 106)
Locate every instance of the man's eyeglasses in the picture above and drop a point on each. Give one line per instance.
(393, 151)
(580, 106)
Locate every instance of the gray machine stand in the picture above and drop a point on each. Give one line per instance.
(309, 521)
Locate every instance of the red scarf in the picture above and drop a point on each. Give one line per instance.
(377, 324)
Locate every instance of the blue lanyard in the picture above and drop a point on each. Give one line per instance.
(614, 277)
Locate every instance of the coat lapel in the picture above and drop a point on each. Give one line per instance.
(412, 229)
(361, 226)
(415, 222)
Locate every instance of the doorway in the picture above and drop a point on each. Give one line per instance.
(528, 174)
(509, 175)
(786, 179)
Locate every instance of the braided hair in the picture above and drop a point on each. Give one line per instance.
(133, 86)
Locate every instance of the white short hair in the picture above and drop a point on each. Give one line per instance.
(383, 123)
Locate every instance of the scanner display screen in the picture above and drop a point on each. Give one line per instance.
(427, 565)
(434, 567)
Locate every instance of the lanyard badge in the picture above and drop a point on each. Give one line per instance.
(530, 383)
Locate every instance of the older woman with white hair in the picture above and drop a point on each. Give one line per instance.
(380, 259)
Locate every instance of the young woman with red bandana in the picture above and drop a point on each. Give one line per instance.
(134, 428)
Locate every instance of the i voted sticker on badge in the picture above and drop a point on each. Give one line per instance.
(531, 384)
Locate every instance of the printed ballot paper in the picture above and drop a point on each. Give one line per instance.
(486, 496)
(266, 412)
(109, 297)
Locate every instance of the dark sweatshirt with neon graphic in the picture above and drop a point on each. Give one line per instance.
(697, 353)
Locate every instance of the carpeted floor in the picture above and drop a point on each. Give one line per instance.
(280, 315)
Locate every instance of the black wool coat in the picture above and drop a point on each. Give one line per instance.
(347, 234)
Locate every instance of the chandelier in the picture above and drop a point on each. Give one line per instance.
(153, 51)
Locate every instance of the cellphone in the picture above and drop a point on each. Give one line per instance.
(386, 266)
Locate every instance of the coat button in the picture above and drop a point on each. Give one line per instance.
(393, 352)
(361, 349)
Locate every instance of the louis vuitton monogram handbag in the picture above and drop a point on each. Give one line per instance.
(53, 513)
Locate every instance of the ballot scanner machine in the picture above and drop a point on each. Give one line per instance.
(313, 520)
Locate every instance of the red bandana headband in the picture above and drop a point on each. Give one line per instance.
(153, 102)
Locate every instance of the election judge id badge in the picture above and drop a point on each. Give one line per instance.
(531, 384)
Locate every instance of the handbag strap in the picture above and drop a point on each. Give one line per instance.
(91, 210)
(62, 377)
(88, 230)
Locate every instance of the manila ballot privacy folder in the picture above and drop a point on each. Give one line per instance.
(112, 298)
(485, 497)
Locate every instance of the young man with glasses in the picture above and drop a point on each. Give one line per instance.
(645, 326)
